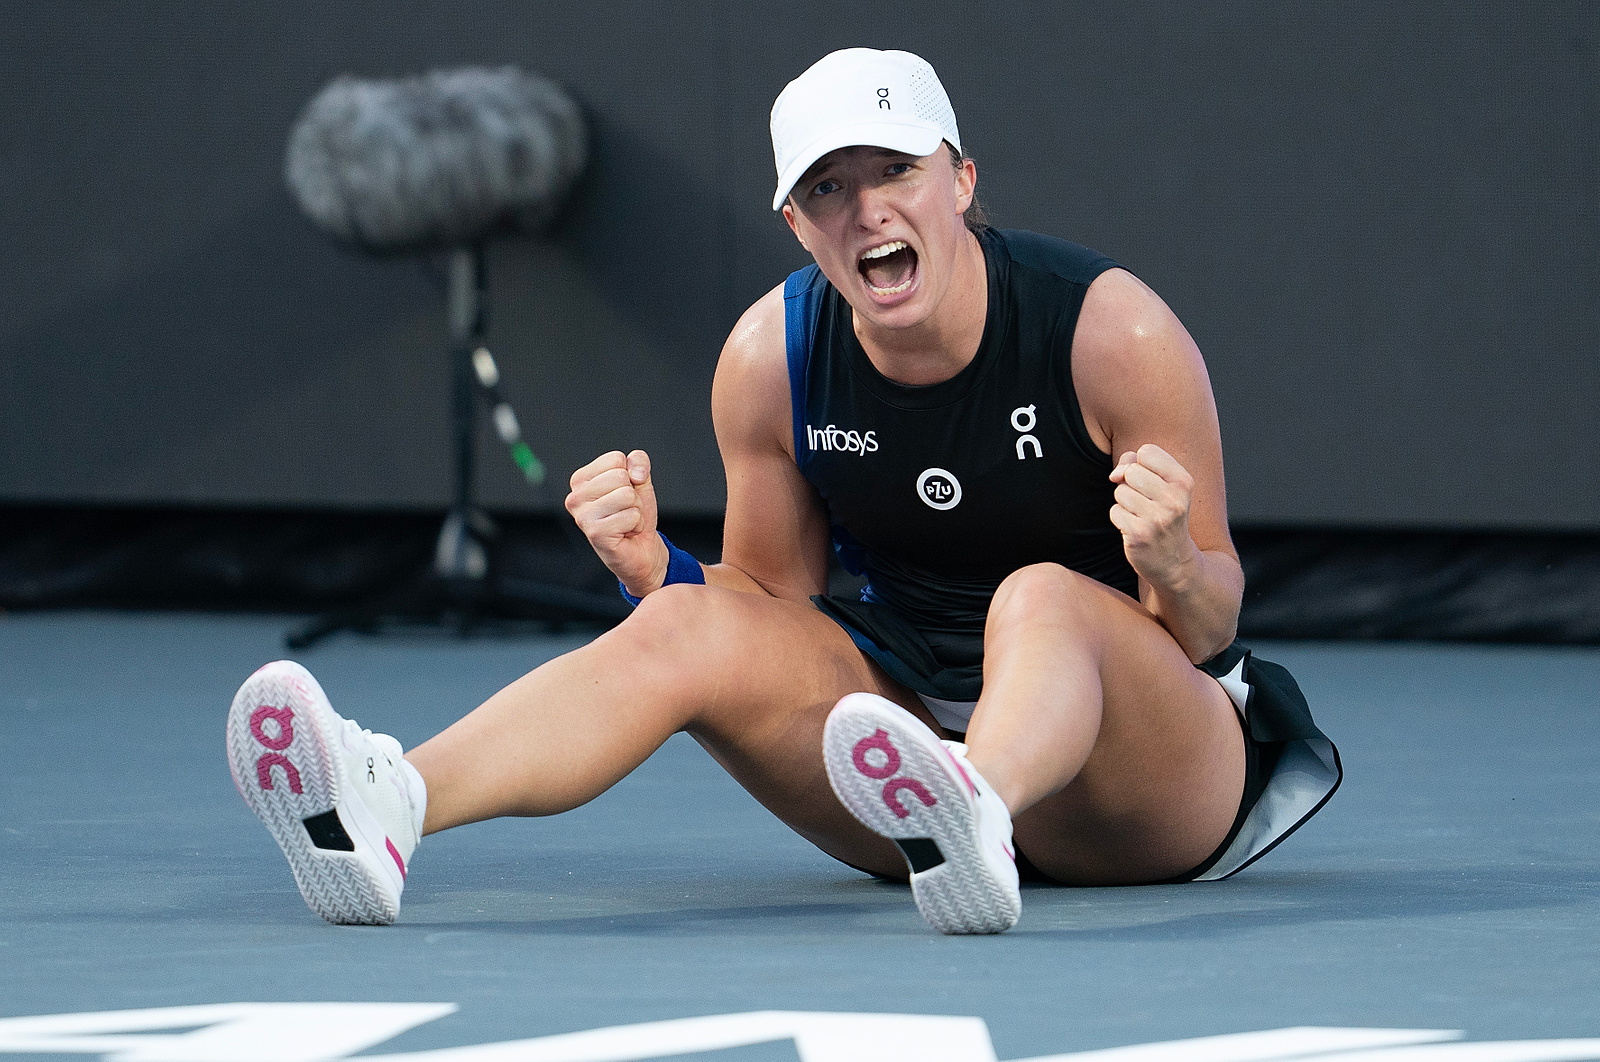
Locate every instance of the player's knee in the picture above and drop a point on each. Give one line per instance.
(677, 598)
(682, 623)
(674, 612)
(1043, 593)
(694, 644)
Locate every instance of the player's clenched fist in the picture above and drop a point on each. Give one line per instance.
(1152, 512)
(614, 504)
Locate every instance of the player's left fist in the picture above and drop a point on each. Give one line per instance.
(1152, 512)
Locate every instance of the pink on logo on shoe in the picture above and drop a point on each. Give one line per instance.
(914, 787)
(284, 717)
(881, 742)
(270, 760)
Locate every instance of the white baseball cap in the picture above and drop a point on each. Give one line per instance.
(859, 96)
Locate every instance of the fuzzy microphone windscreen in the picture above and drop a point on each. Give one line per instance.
(440, 160)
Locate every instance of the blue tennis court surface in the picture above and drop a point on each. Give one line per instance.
(1451, 885)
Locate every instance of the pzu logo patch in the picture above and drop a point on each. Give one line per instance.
(939, 489)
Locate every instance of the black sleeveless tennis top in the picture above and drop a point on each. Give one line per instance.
(937, 493)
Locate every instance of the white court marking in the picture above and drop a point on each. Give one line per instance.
(313, 1032)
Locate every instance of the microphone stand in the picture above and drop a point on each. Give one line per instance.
(463, 582)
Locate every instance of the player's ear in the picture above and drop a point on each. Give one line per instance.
(788, 215)
(966, 185)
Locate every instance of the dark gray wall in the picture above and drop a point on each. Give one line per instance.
(1381, 224)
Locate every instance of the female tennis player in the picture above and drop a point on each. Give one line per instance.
(1014, 440)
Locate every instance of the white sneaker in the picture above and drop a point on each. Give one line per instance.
(902, 781)
(341, 802)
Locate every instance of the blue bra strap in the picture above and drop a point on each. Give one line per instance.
(802, 300)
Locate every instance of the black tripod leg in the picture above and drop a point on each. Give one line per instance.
(309, 634)
(421, 599)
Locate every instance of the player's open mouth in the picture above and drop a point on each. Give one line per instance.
(889, 269)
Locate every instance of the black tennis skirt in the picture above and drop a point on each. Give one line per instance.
(1292, 769)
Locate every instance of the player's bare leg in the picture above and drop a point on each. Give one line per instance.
(1120, 761)
(752, 678)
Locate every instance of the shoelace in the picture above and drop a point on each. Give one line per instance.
(354, 733)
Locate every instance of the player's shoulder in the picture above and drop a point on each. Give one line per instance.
(1129, 346)
(752, 381)
(1051, 256)
(757, 338)
(1123, 313)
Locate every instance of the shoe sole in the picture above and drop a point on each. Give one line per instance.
(938, 832)
(294, 788)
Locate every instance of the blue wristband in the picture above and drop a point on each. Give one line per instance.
(681, 568)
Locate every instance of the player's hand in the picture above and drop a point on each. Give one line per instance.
(1152, 512)
(614, 504)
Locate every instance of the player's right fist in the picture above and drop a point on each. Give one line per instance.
(614, 504)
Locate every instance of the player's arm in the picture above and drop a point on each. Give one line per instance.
(775, 535)
(1147, 400)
